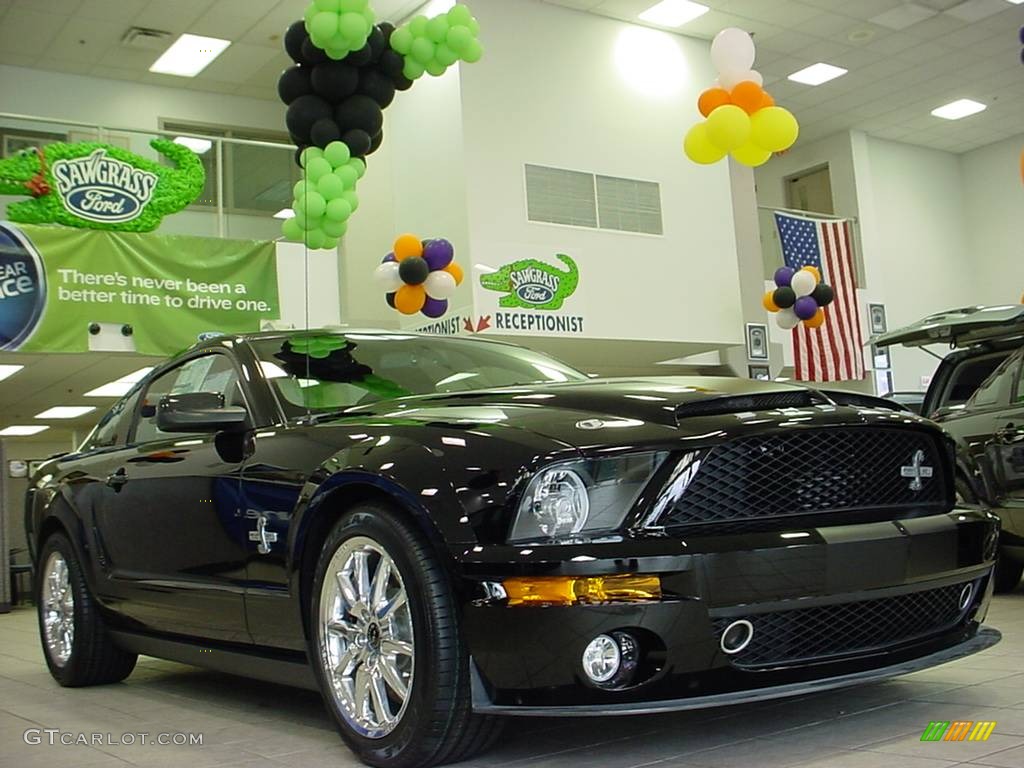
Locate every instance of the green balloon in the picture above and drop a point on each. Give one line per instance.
(460, 14)
(300, 189)
(418, 26)
(413, 69)
(301, 219)
(315, 238)
(347, 175)
(327, 5)
(315, 205)
(474, 26)
(436, 68)
(330, 187)
(437, 28)
(401, 40)
(311, 11)
(291, 230)
(352, 199)
(473, 53)
(422, 50)
(308, 154)
(329, 242)
(337, 154)
(323, 26)
(445, 56)
(338, 209)
(370, 18)
(355, 29)
(335, 228)
(459, 38)
(316, 168)
(359, 164)
(337, 53)
(352, 6)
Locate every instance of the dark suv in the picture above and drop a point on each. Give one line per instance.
(977, 395)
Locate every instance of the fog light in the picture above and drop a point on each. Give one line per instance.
(737, 636)
(602, 659)
(587, 590)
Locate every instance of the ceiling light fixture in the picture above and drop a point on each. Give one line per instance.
(120, 387)
(284, 213)
(6, 371)
(199, 146)
(23, 430)
(66, 411)
(958, 109)
(816, 74)
(673, 13)
(189, 55)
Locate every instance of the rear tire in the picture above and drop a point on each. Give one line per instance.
(1007, 575)
(386, 647)
(76, 644)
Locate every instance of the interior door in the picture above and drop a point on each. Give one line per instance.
(170, 520)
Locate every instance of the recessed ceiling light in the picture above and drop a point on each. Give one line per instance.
(189, 55)
(1015, 2)
(66, 411)
(959, 108)
(199, 146)
(673, 13)
(816, 74)
(7, 371)
(121, 386)
(284, 213)
(23, 430)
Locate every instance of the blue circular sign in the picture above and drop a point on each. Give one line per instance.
(22, 288)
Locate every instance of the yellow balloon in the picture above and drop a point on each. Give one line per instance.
(728, 127)
(751, 154)
(699, 148)
(773, 128)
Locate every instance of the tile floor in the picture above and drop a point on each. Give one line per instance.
(248, 724)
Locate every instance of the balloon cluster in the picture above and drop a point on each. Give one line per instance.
(799, 295)
(419, 275)
(741, 117)
(326, 197)
(339, 27)
(433, 45)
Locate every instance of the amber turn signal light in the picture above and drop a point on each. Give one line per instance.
(587, 590)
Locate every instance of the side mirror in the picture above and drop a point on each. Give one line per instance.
(199, 412)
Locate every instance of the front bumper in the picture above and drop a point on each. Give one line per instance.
(527, 659)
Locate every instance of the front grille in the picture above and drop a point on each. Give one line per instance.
(846, 629)
(808, 472)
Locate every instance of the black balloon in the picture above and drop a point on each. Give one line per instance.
(298, 152)
(324, 131)
(294, 37)
(391, 63)
(311, 54)
(301, 115)
(386, 29)
(413, 270)
(823, 294)
(360, 58)
(784, 297)
(294, 82)
(375, 142)
(359, 112)
(402, 83)
(376, 42)
(358, 142)
(390, 299)
(334, 80)
(377, 86)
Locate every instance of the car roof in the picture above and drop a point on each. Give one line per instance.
(963, 327)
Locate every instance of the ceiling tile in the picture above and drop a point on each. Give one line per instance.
(29, 32)
(859, 9)
(976, 10)
(171, 16)
(238, 62)
(936, 26)
(122, 11)
(85, 40)
(217, 22)
(903, 16)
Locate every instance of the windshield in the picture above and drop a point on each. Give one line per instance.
(330, 372)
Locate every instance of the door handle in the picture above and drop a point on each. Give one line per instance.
(118, 479)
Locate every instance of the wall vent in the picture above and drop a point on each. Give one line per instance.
(629, 205)
(145, 39)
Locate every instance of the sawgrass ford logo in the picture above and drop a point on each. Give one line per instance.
(22, 288)
(102, 188)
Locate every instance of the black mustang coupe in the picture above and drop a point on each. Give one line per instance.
(435, 532)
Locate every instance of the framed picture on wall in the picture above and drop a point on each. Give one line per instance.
(880, 357)
(757, 341)
(876, 316)
(759, 372)
(17, 468)
(883, 381)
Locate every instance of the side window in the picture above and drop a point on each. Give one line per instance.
(995, 390)
(111, 429)
(210, 373)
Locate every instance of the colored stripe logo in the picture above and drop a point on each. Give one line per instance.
(958, 730)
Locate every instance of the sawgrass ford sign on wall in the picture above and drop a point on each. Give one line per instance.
(59, 287)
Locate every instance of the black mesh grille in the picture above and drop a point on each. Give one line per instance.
(806, 634)
(808, 472)
(765, 402)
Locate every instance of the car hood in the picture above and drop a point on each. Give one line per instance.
(958, 327)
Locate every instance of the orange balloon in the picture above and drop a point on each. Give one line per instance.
(410, 299)
(455, 271)
(814, 271)
(769, 302)
(817, 320)
(406, 246)
(711, 100)
(768, 101)
(748, 96)
(1022, 165)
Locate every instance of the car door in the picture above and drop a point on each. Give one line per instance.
(1005, 453)
(170, 520)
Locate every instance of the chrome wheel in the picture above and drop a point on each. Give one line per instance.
(58, 609)
(366, 637)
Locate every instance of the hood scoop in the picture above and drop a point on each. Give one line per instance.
(757, 402)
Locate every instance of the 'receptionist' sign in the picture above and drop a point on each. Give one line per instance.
(60, 288)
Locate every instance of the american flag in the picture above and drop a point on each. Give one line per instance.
(834, 351)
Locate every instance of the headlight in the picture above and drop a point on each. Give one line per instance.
(577, 496)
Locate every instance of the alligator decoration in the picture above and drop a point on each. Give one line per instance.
(98, 186)
(533, 284)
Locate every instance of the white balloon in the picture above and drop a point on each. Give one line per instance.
(787, 319)
(803, 283)
(386, 276)
(732, 50)
(440, 285)
(732, 78)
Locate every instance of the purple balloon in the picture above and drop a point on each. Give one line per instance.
(1021, 34)
(389, 257)
(438, 253)
(784, 276)
(805, 307)
(435, 307)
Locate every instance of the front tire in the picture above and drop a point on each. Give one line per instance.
(386, 649)
(76, 644)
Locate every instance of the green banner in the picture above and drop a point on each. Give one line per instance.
(65, 290)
